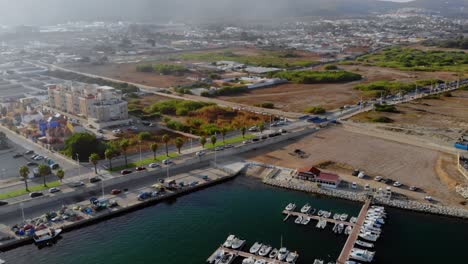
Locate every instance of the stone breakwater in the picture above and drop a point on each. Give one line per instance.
(361, 197)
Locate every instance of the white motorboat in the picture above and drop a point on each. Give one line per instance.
(218, 256)
(369, 236)
(255, 248)
(335, 228)
(327, 214)
(312, 211)
(305, 220)
(260, 261)
(348, 230)
(226, 259)
(237, 243)
(264, 250)
(320, 213)
(372, 229)
(44, 236)
(290, 207)
(318, 261)
(343, 217)
(324, 224)
(305, 209)
(362, 255)
(353, 220)
(2, 261)
(248, 260)
(273, 254)
(282, 253)
(292, 256)
(364, 244)
(336, 216)
(340, 228)
(319, 224)
(372, 223)
(298, 219)
(229, 240)
(351, 262)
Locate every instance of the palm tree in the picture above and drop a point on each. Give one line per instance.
(94, 159)
(109, 154)
(24, 172)
(165, 139)
(43, 170)
(179, 142)
(261, 127)
(124, 144)
(203, 141)
(213, 140)
(223, 133)
(60, 174)
(154, 148)
(243, 130)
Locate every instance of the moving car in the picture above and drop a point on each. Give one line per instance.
(35, 194)
(378, 178)
(140, 168)
(94, 179)
(124, 172)
(167, 162)
(200, 153)
(3, 203)
(154, 165)
(29, 152)
(219, 148)
(413, 188)
(397, 184)
(115, 191)
(77, 184)
(17, 155)
(54, 190)
(30, 164)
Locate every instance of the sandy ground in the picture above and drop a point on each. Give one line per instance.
(297, 97)
(442, 120)
(430, 170)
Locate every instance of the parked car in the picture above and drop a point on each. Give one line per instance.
(355, 173)
(3, 203)
(30, 164)
(167, 162)
(115, 191)
(116, 131)
(253, 129)
(361, 175)
(397, 184)
(154, 165)
(34, 156)
(354, 185)
(54, 166)
(54, 190)
(94, 179)
(143, 196)
(378, 178)
(228, 146)
(161, 180)
(140, 168)
(367, 187)
(246, 142)
(219, 148)
(429, 198)
(413, 188)
(125, 172)
(17, 155)
(39, 157)
(77, 184)
(200, 153)
(35, 194)
(29, 152)
(100, 131)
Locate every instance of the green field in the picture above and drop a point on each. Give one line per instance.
(267, 59)
(417, 60)
(35, 188)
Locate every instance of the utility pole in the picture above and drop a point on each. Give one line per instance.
(167, 171)
(139, 144)
(78, 162)
(102, 187)
(22, 210)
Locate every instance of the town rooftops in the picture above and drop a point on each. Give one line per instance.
(325, 176)
(309, 170)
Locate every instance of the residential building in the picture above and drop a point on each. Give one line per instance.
(315, 175)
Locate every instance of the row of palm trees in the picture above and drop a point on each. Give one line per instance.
(43, 171)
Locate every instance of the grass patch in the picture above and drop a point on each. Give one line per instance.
(386, 108)
(35, 188)
(229, 141)
(381, 119)
(311, 77)
(315, 110)
(146, 161)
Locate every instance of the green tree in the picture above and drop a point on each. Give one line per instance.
(109, 154)
(142, 136)
(124, 145)
(82, 144)
(179, 142)
(213, 140)
(223, 133)
(44, 170)
(203, 141)
(165, 139)
(261, 127)
(60, 174)
(94, 159)
(243, 130)
(154, 148)
(24, 172)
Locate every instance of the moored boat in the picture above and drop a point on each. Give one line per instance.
(305, 209)
(318, 261)
(229, 240)
(44, 236)
(364, 244)
(362, 255)
(248, 260)
(273, 254)
(255, 248)
(290, 207)
(282, 253)
(305, 220)
(264, 250)
(343, 217)
(298, 219)
(226, 259)
(292, 256)
(237, 243)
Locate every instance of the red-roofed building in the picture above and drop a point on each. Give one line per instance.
(315, 175)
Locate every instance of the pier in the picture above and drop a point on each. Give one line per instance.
(239, 253)
(316, 217)
(346, 251)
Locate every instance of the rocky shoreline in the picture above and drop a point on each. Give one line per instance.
(361, 197)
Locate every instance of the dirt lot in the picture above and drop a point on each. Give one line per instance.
(442, 119)
(297, 97)
(430, 170)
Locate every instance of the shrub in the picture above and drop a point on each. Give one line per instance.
(268, 105)
(386, 108)
(311, 77)
(381, 119)
(315, 110)
(331, 67)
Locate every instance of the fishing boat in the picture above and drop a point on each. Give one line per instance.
(273, 254)
(290, 207)
(362, 255)
(298, 219)
(305, 220)
(44, 236)
(305, 209)
(282, 253)
(292, 256)
(264, 250)
(229, 240)
(255, 248)
(364, 244)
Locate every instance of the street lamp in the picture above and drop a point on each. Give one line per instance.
(78, 162)
(139, 143)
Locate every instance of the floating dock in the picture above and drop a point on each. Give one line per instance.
(316, 217)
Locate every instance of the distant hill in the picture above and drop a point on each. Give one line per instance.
(446, 7)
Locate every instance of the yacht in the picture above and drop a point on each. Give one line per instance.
(369, 236)
(290, 207)
(255, 248)
(273, 254)
(260, 261)
(372, 223)
(282, 253)
(298, 219)
(348, 230)
(318, 261)
(343, 217)
(237, 243)
(44, 236)
(364, 244)
(228, 242)
(226, 259)
(292, 256)
(353, 220)
(305, 209)
(305, 220)
(248, 260)
(362, 255)
(264, 250)
(336, 216)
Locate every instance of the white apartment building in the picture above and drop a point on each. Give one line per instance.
(102, 106)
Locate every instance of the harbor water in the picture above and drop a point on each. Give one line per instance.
(188, 229)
